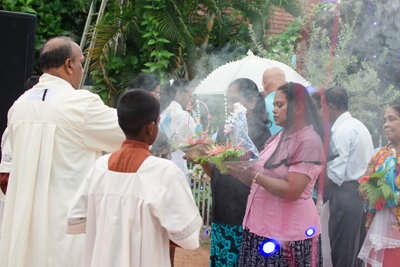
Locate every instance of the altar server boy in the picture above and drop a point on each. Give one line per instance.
(132, 204)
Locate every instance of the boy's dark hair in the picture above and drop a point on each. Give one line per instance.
(145, 81)
(135, 109)
(32, 81)
(338, 97)
(56, 57)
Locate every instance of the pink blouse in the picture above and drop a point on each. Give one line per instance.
(273, 217)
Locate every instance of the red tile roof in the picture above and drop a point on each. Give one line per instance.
(281, 18)
(279, 21)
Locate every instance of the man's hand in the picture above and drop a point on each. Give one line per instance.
(328, 182)
(191, 160)
(363, 195)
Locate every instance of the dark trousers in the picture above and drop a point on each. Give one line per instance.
(346, 225)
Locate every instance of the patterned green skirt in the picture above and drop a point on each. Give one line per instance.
(226, 241)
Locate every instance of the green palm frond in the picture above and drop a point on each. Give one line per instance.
(290, 6)
(111, 27)
(172, 26)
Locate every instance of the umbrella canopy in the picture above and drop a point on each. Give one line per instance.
(251, 67)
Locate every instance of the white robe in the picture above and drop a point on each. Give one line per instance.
(5, 166)
(129, 218)
(6, 153)
(54, 143)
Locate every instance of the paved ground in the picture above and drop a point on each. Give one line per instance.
(193, 258)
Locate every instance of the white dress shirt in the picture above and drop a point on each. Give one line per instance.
(354, 144)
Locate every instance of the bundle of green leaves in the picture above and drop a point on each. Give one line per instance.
(378, 190)
(221, 154)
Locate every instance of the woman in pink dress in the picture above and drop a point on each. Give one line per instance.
(281, 224)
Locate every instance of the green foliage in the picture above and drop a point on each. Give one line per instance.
(376, 186)
(387, 192)
(54, 18)
(281, 53)
(373, 192)
(220, 158)
(367, 99)
(287, 38)
(168, 38)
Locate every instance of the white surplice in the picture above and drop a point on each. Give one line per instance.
(129, 218)
(56, 134)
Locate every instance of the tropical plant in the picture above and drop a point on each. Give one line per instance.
(378, 190)
(168, 37)
(53, 18)
(367, 99)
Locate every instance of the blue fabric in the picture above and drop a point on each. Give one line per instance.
(269, 104)
(198, 129)
(389, 167)
(226, 241)
(165, 126)
(314, 193)
(214, 136)
(294, 61)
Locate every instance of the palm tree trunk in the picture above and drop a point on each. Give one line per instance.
(209, 27)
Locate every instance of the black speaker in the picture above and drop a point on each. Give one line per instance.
(17, 48)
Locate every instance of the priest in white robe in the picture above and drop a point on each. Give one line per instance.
(56, 134)
(132, 204)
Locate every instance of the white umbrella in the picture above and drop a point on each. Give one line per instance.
(251, 67)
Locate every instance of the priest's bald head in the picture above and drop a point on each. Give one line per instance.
(272, 79)
(63, 58)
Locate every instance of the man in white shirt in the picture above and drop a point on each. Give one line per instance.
(355, 148)
(56, 134)
(272, 79)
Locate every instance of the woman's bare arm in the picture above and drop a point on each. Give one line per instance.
(291, 189)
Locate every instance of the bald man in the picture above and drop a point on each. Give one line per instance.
(272, 79)
(56, 134)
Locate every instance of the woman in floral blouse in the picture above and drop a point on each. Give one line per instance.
(391, 129)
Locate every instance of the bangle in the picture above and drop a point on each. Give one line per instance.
(255, 177)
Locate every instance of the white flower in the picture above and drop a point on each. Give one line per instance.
(228, 128)
(238, 108)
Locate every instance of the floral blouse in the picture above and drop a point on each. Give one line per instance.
(377, 160)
